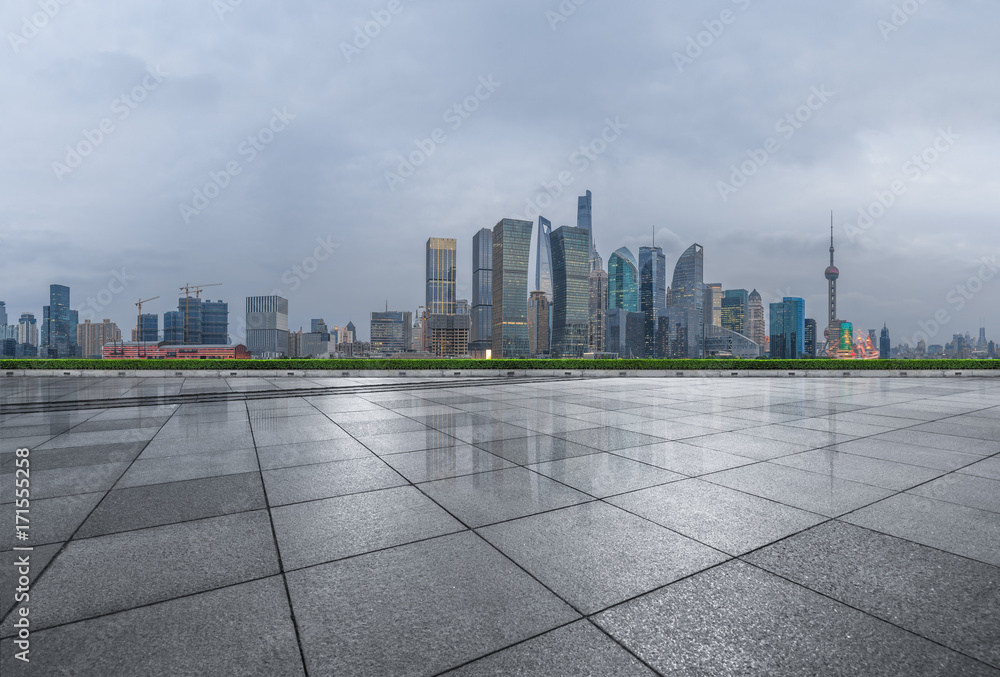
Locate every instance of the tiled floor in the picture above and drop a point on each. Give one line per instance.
(604, 526)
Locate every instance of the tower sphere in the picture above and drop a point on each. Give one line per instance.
(832, 273)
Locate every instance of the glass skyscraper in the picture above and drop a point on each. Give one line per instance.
(511, 247)
(652, 292)
(173, 327)
(810, 341)
(149, 328)
(623, 281)
(543, 257)
(214, 323)
(481, 333)
(392, 331)
(58, 324)
(799, 317)
(735, 311)
(788, 328)
(687, 292)
(570, 291)
(440, 291)
(584, 219)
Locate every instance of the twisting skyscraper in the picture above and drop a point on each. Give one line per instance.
(543, 260)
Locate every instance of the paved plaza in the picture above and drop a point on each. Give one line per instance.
(601, 526)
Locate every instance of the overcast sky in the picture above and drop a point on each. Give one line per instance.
(683, 94)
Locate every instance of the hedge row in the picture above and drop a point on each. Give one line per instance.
(500, 365)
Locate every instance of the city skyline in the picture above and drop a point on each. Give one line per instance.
(315, 193)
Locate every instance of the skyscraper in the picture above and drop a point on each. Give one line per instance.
(481, 333)
(214, 323)
(810, 338)
(570, 291)
(687, 292)
(318, 325)
(267, 326)
(584, 220)
(884, 346)
(713, 304)
(543, 260)
(799, 317)
(788, 328)
(598, 308)
(538, 324)
(58, 324)
(735, 311)
(173, 327)
(149, 328)
(755, 311)
(27, 330)
(623, 281)
(511, 246)
(652, 292)
(391, 331)
(440, 296)
(92, 337)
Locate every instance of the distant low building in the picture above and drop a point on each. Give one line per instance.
(168, 351)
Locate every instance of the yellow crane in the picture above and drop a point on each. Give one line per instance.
(187, 289)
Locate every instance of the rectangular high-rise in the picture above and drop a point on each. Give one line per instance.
(481, 331)
(267, 326)
(214, 323)
(598, 309)
(149, 328)
(810, 341)
(798, 306)
(652, 292)
(787, 328)
(511, 247)
(92, 337)
(570, 291)
(735, 311)
(713, 304)
(391, 331)
(440, 287)
(58, 324)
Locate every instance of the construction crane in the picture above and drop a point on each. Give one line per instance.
(187, 289)
(138, 319)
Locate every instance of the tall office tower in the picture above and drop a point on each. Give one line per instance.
(810, 338)
(799, 306)
(448, 335)
(511, 246)
(190, 309)
(788, 328)
(625, 333)
(584, 220)
(598, 308)
(149, 328)
(543, 257)
(295, 343)
(92, 337)
(755, 313)
(481, 332)
(440, 296)
(3, 313)
(538, 324)
(173, 327)
(570, 291)
(214, 323)
(353, 336)
(884, 346)
(267, 326)
(735, 311)
(687, 292)
(713, 298)
(391, 331)
(982, 344)
(832, 333)
(652, 292)
(27, 330)
(623, 281)
(58, 324)
(318, 326)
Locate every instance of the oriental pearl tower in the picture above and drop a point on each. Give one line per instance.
(832, 332)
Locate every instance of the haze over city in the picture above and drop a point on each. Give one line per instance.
(738, 126)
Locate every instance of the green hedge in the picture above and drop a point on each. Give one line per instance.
(501, 365)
